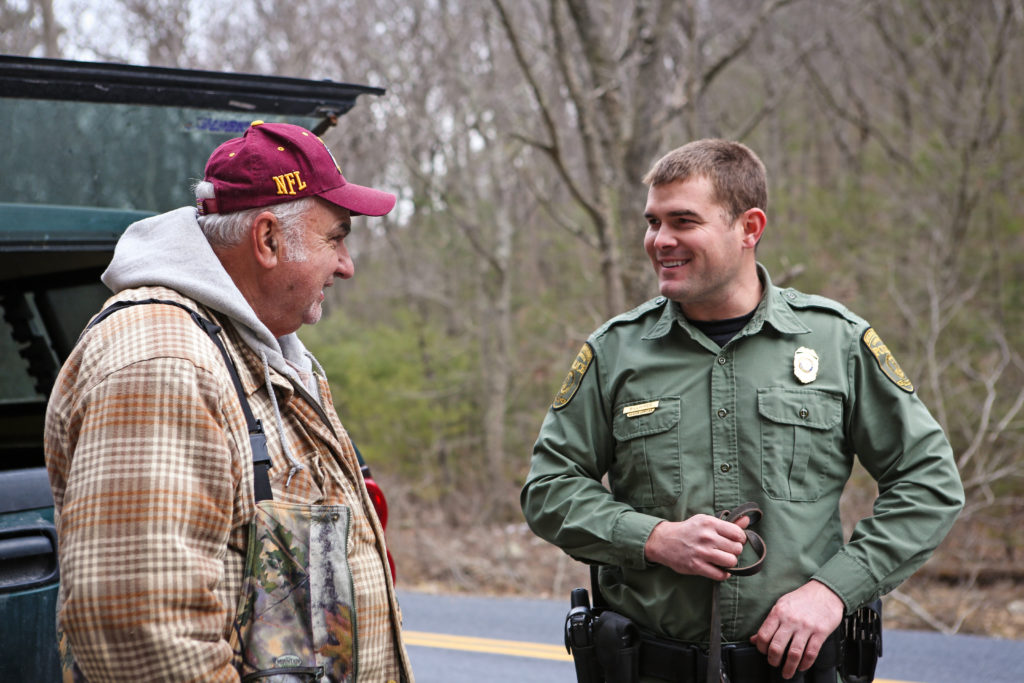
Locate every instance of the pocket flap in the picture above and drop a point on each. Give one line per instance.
(800, 407)
(644, 417)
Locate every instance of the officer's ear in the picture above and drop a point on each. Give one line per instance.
(265, 237)
(752, 222)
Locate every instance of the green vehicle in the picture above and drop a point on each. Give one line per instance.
(89, 149)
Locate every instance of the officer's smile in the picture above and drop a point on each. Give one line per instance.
(673, 264)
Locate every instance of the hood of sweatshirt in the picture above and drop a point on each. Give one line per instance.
(170, 250)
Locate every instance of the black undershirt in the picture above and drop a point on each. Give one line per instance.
(721, 331)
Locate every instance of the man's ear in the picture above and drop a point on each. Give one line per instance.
(265, 235)
(752, 222)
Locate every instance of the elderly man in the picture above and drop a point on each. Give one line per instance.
(723, 391)
(182, 556)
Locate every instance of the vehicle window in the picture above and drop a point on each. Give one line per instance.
(106, 155)
(74, 177)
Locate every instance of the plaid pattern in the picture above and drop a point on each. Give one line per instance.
(148, 457)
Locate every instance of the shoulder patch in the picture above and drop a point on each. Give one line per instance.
(886, 361)
(572, 380)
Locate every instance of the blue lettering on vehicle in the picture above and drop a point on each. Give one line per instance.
(209, 124)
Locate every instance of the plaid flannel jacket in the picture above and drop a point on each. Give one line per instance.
(148, 456)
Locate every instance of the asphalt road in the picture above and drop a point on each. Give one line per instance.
(459, 639)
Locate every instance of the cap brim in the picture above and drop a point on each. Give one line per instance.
(360, 200)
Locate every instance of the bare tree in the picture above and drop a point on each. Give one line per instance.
(612, 83)
(929, 95)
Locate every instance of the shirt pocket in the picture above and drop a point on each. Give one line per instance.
(646, 468)
(798, 441)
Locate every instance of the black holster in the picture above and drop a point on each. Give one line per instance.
(862, 644)
(579, 638)
(605, 646)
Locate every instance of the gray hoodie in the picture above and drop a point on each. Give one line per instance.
(170, 250)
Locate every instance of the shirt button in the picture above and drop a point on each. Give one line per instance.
(722, 360)
(804, 413)
(726, 467)
(722, 412)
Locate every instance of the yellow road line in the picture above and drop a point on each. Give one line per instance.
(515, 648)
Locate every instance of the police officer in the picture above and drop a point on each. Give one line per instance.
(727, 389)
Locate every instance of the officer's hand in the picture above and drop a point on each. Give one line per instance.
(700, 545)
(801, 620)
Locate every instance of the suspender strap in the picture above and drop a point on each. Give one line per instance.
(257, 437)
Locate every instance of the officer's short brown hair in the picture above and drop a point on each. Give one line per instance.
(737, 176)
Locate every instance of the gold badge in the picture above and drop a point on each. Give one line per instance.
(886, 361)
(575, 376)
(805, 364)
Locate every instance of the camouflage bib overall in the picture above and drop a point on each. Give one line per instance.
(296, 615)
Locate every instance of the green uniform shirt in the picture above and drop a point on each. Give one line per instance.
(682, 426)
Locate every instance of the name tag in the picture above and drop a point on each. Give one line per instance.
(640, 409)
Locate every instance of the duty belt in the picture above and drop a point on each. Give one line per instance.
(671, 660)
(715, 672)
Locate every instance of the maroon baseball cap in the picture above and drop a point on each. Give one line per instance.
(278, 162)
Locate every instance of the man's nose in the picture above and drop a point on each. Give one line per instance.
(345, 267)
(665, 239)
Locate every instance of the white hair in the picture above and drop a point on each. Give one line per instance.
(228, 229)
